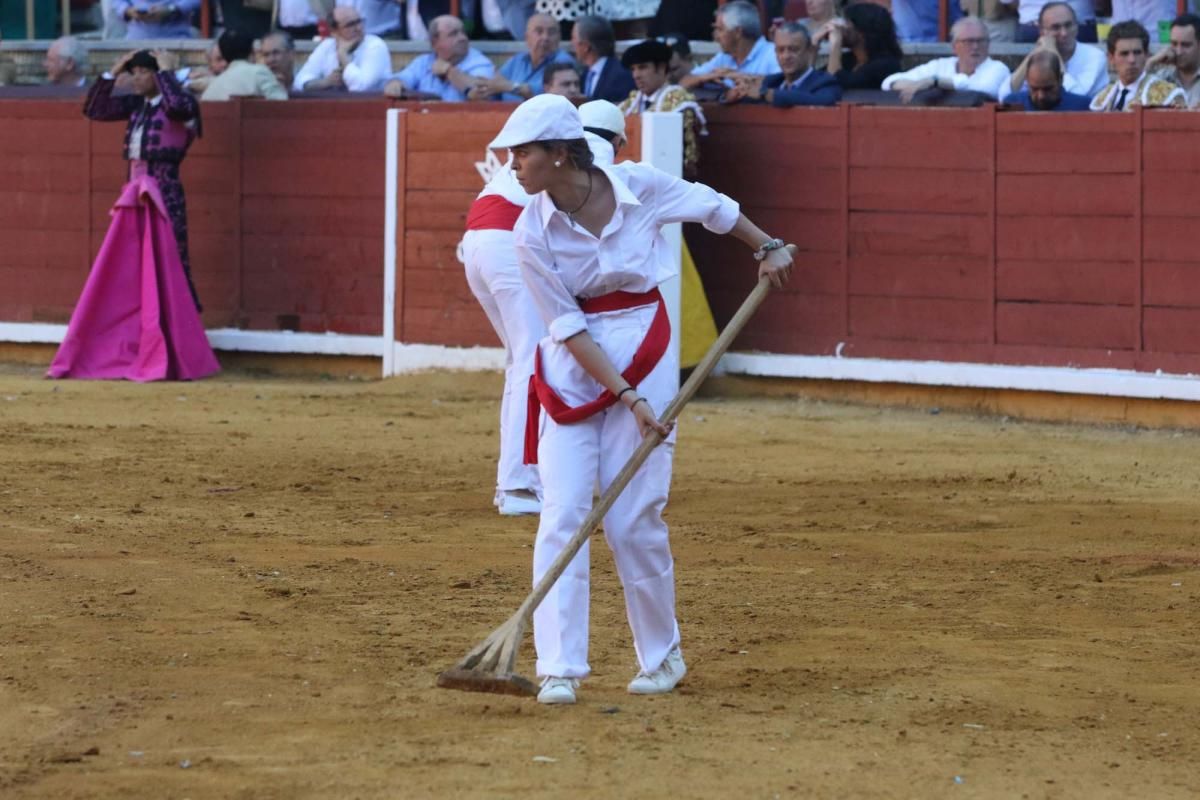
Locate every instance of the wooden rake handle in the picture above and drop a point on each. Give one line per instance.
(652, 440)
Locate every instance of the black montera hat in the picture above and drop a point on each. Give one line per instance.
(650, 51)
(142, 58)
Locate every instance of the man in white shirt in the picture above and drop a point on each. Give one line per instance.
(350, 60)
(1128, 43)
(1180, 63)
(66, 62)
(969, 69)
(1085, 69)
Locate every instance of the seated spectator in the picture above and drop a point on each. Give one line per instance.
(918, 20)
(66, 62)
(278, 54)
(1045, 81)
(1086, 68)
(155, 20)
(1000, 16)
(196, 79)
(969, 69)
(798, 84)
(874, 53)
(349, 60)
(744, 51)
(1029, 28)
(1128, 42)
(449, 71)
(820, 14)
(380, 17)
(522, 76)
(595, 48)
(681, 56)
(298, 18)
(1179, 62)
(562, 79)
(1147, 12)
(649, 63)
(242, 78)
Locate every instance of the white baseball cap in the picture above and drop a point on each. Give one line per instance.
(543, 117)
(603, 115)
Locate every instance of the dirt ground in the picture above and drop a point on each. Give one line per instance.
(244, 588)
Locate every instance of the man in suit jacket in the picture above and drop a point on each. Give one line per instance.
(595, 47)
(242, 78)
(798, 84)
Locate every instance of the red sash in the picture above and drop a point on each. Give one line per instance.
(648, 354)
(492, 213)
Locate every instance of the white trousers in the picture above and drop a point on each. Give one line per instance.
(495, 280)
(572, 460)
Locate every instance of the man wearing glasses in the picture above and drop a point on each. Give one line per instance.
(968, 70)
(1085, 69)
(350, 61)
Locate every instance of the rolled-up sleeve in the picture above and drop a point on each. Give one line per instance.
(558, 307)
(677, 200)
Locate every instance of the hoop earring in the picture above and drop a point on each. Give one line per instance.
(558, 163)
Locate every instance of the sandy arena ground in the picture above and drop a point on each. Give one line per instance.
(244, 588)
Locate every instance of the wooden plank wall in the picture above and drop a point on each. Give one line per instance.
(443, 144)
(285, 211)
(965, 234)
(951, 234)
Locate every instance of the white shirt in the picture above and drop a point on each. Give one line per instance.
(1147, 12)
(561, 261)
(1086, 72)
(989, 77)
(135, 136)
(296, 14)
(369, 67)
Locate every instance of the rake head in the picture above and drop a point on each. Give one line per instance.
(489, 667)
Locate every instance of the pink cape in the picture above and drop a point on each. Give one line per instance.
(135, 318)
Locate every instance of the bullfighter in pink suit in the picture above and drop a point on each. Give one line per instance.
(138, 315)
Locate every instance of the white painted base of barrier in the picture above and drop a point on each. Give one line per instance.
(1061, 380)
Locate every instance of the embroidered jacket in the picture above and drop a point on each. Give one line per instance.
(672, 97)
(1149, 91)
(168, 127)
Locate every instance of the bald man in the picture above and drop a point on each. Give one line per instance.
(522, 76)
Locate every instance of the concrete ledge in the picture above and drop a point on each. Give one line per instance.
(1028, 405)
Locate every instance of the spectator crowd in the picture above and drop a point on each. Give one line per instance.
(813, 61)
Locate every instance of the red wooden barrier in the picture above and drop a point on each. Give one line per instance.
(966, 235)
(957, 235)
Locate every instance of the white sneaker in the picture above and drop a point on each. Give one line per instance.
(514, 505)
(663, 679)
(558, 691)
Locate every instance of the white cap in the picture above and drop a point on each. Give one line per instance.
(543, 117)
(603, 115)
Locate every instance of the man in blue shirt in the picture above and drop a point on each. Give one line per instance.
(145, 19)
(1045, 92)
(450, 71)
(744, 51)
(521, 76)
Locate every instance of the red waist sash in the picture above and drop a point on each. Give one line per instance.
(648, 354)
(492, 213)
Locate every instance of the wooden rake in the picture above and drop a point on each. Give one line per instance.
(489, 666)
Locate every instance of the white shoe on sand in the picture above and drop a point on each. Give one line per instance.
(558, 691)
(515, 504)
(663, 679)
